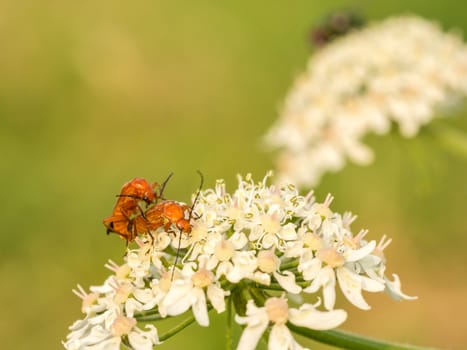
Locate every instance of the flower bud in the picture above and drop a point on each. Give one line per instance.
(122, 325)
(202, 278)
(331, 257)
(267, 261)
(277, 310)
(224, 250)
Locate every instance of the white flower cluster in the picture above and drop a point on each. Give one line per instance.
(254, 249)
(401, 70)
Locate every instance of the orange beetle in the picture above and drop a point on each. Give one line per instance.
(127, 218)
(138, 189)
(170, 213)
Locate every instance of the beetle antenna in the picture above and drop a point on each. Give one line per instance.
(161, 191)
(197, 193)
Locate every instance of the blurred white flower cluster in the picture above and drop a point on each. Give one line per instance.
(265, 250)
(401, 70)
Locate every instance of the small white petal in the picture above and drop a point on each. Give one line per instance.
(326, 279)
(211, 263)
(140, 340)
(313, 287)
(261, 277)
(269, 240)
(178, 300)
(351, 286)
(224, 269)
(371, 285)
(294, 249)
(257, 321)
(329, 293)
(373, 271)
(132, 305)
(200, 309)
(357, 254)
(239, 240)
(216, 296)
(78, 325)
(244, 263)
(105, 288)
(143, 295)
(280, 338)
(309, 268)
(393, 288)
(288, 232)
(236, 274)
(287, 281)
(98, 337)
(308, 316)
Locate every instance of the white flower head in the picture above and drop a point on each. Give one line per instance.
(252, 244)
(401, 70)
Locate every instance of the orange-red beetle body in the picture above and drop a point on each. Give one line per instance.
(126, 216)
(168, 213)
(130, 219)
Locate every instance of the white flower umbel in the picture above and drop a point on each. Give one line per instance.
(246, 248)
(401, 70)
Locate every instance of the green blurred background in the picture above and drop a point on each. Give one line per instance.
(94, 93)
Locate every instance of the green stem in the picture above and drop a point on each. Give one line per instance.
(453, 139)
(150, 315)
(228, 332)
(270, 287)
(347, 340)
(181, 326)
(289, 265)
(277, 286)
(149, 318)
(257, 296)
(226, 285)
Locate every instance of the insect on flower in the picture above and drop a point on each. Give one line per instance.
(335, 25)
(127, 218)
(169, 214)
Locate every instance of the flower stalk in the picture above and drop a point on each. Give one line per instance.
(229, 326)
(347, 340)
(453, 139)
(178, 328)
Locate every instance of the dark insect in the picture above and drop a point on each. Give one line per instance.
(334, 26)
